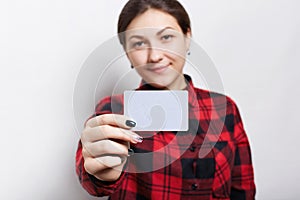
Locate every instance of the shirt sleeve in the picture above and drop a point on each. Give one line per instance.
(89, 182)
(242, 186)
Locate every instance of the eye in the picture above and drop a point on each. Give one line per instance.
(138, 44)
(167, 37)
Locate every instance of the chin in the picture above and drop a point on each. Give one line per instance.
(163, 81)
(161, 84)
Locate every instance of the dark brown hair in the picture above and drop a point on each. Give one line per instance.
(133, 8)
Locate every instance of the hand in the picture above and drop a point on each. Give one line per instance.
(105, 142)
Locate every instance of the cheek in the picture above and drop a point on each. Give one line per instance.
(177, 54)
(179, 65)
(177, 60)
(138, 58)
(178, 48)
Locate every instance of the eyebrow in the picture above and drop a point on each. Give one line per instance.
(161, 31)
(158, 33)
(136, 36)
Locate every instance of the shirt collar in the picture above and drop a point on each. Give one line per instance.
(192, 98)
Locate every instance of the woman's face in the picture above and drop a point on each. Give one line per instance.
(156, 47)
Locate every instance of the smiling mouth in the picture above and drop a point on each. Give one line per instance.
(159, 69)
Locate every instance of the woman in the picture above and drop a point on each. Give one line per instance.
(158, 54)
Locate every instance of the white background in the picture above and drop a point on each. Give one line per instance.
(254, 45)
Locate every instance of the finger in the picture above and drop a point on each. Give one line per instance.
(110, 161)
(105, 147)
(109, 132)
(94, 165)
(121, 121)
(109, 174)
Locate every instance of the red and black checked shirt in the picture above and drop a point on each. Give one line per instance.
(225, 172)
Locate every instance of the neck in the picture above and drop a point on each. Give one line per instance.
(178, 84)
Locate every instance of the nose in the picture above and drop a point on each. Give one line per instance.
(155, 55)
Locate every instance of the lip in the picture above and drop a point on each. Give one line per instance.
(159, 69)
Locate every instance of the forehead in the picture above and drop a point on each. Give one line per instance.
(154, 18)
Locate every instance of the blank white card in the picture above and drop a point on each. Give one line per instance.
(157, 110)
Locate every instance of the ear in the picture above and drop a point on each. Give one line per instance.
(188, 36)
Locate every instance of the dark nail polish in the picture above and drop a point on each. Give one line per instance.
(130, 123)
(130, 152)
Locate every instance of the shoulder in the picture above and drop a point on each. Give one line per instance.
(214, 100)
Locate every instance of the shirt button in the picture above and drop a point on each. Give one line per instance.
(192, 148)
(194, 186)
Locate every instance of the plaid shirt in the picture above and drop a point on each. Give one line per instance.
(225, 171)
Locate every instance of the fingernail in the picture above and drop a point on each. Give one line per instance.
(130, 123)
(137, 138)
(130, 152)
